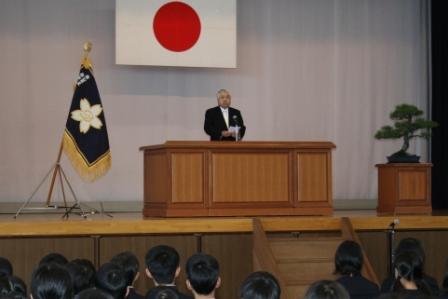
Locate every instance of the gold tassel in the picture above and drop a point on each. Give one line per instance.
(87, 172)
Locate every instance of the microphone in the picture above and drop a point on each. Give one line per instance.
(235, 119)
(395, 222)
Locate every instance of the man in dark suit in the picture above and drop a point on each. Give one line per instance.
(221, 121)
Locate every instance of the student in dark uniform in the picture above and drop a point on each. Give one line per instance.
(348, 264)
(162, 266)
(415, 246)
(409, 280)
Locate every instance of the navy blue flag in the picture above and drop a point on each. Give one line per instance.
(85, 141)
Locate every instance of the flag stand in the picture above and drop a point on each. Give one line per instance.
(59, 173)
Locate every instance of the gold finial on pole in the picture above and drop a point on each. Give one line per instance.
(87, 47)
(85, 60)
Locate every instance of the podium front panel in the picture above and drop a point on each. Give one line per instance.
(187, 172)
(250, 177)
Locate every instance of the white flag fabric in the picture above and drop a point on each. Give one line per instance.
(190, 33)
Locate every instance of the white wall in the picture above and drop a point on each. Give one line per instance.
(307, 70)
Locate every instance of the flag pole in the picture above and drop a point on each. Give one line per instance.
(57, 168)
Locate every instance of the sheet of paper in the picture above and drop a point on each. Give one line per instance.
(234, 129)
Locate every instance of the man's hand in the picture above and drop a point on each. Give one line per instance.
(226, 133)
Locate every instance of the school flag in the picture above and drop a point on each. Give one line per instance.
(85, 140)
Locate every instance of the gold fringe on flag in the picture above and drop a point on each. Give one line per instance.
(87, 171)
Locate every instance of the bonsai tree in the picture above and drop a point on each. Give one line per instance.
(408, 125)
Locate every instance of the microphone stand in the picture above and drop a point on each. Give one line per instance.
(237, 126)
(391, 240)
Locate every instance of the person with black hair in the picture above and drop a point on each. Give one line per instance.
(5, 266)
(348, 264)
(260, 285)
(411, 245)
(51, 281)
(162, 266)
(5, 286)
(326, 289)
(111, 278)
(409, 275)
(131, 266)
(203, 276)
(82, 272)
(17, 284)
(93, 293)
(12, 286)
(55, 258)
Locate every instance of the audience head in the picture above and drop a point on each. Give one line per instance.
(18, 285)
(5, 266)
(411, 244)
(162, 264)
(93, 293)
(409, 271)
(5, 285)
(408, 266)
(129, 262)
(348, 258)
(12, 286)
(202, 274)
(82, 272)
(162, 293)
(51, 281)
(111, 278)
(326, 289)
(260, 285)
(55, 258)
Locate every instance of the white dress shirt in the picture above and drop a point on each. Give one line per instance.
(225, 114)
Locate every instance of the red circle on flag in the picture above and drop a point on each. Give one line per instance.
(177, 26)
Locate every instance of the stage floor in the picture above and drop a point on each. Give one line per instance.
(51, 224)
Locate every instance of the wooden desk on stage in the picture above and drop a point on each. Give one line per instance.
(201, 178)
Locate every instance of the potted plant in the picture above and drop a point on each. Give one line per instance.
(408, 124)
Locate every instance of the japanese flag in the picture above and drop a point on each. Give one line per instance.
(194, 33)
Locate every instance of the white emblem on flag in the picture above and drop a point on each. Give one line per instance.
(87, 116)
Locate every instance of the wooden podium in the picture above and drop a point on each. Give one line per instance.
(404, 188)
(202, 178)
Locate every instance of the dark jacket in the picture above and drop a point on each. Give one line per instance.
(388, 284)
(134, 295)
(359, 287)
